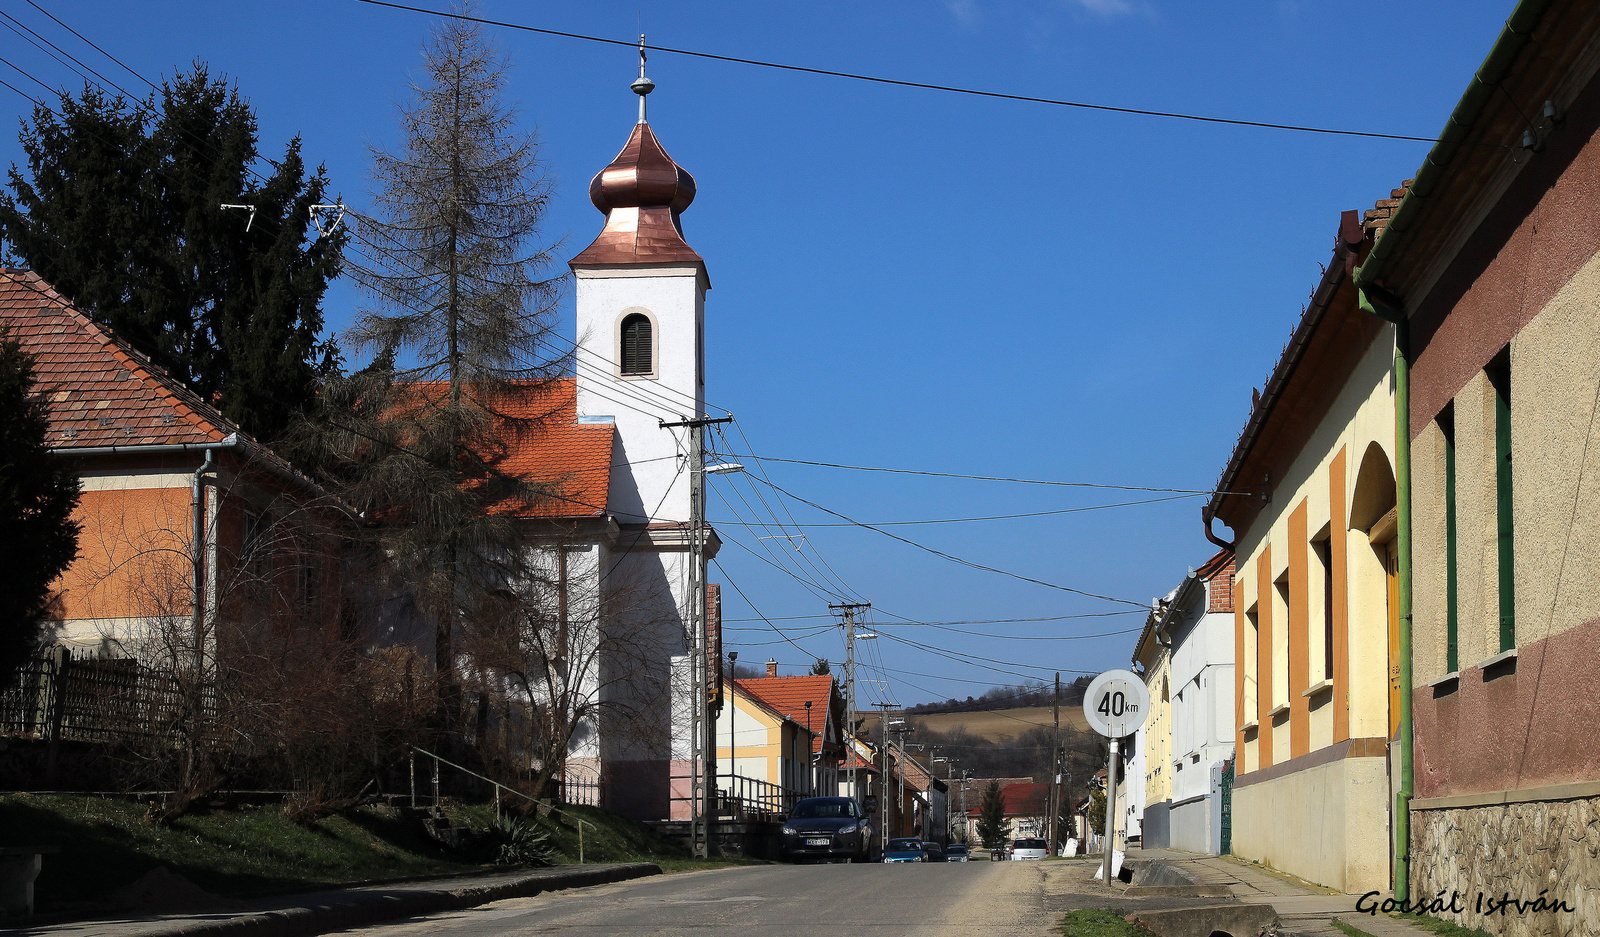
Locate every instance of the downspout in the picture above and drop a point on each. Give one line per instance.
(197, 504)
(1388, 307)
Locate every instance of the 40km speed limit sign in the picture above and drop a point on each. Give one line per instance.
(1116, 703)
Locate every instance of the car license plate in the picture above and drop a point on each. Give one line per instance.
(817, 842)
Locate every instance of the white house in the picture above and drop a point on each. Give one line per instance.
(1199, 624)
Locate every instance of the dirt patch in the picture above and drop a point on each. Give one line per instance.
(162, 891)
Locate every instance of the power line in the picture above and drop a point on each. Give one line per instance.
(996, 517)
(1084, 105)
(985, 478)
(952, 557)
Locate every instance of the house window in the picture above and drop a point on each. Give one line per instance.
(1322, 553)
(1447, 429)
(1499, 374)
(637, 347)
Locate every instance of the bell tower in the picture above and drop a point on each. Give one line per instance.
(640, 296)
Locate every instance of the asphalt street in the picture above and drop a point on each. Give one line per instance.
(932, 900)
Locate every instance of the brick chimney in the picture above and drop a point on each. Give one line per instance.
(772, 667)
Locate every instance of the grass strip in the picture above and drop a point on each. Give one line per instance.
(1099, 922)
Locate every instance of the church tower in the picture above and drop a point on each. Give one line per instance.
(640, 297)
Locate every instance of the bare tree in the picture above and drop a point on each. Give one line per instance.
(566, 662)
(461, 321)
(248, 659)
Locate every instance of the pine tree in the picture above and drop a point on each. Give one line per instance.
(120, 211)
(38, 492)
(992, 817)
(821, 668)
(460, 325)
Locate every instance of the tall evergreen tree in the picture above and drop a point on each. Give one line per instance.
(120, 210)
(38, 492)
(992, 817)
(460, 324)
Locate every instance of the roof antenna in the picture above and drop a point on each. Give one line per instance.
(642, 85)
(249, 208)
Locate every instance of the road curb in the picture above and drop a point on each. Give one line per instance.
(322, 912)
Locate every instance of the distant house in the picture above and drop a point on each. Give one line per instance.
(771, 745)
(1027, 806)
(194, 535)
(1187, 652)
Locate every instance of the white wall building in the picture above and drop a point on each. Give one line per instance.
(1200, 626)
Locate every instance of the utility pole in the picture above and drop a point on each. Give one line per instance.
(1055, 766)
(883, 782)
(900, 731)
(703, 722)
(849, 610)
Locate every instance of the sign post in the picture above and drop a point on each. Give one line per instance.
(1115, 705)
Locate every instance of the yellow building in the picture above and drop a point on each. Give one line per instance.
(1309, 493)
(1152, 758)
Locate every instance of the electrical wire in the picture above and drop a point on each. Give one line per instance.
(952, 557)
(985, 478)
(998, 517)
(1084, 105)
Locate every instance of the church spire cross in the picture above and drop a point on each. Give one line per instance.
(642, 85)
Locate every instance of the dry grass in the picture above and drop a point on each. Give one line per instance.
(1002, 724)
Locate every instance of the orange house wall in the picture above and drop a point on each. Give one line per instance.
(1264, 688)
(1299, 632)
(132, 552)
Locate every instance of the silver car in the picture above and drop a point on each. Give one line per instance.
(1029, 848)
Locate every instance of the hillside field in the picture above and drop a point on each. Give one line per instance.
(999, 724)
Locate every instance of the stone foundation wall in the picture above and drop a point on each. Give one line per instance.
(1520, 849)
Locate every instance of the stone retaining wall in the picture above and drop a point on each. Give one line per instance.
(1516, 849)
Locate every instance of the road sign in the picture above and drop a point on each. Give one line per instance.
(1116, 703)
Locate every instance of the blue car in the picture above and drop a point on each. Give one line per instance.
(904, 850)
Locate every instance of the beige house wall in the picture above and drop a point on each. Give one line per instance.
(1318, 824)
(1338, 811)
(1158, 735)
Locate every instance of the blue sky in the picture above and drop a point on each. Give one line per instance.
(917, 279)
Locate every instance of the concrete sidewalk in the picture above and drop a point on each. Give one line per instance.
(1303, 908)
(324, 911)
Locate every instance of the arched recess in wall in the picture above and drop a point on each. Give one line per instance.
(637, 342)
(1374, 593)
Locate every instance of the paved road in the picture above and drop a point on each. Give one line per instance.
(933, 900)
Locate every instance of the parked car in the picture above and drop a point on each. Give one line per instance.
(1029, 848)
(933, 852)
(956, 852)
(826, 828)
(904, 850)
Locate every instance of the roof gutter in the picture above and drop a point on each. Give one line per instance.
(231, 441)
(1513, 38)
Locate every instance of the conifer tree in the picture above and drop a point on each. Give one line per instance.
(459, 328)
(992, 817)
(38, 492)
(120, 210)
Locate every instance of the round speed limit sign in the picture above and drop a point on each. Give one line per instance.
(1116, 703)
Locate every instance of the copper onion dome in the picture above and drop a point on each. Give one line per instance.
(642, 192)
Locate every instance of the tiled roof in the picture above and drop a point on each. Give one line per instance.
(1027, 799)
(788, 695)
(544, 443)
(101, 392)
(573, 458)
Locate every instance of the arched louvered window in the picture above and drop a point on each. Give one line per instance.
(636, 344)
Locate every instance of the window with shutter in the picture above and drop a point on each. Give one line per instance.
(636, 345)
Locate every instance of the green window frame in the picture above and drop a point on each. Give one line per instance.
(1499, 373)
(1452, 620)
